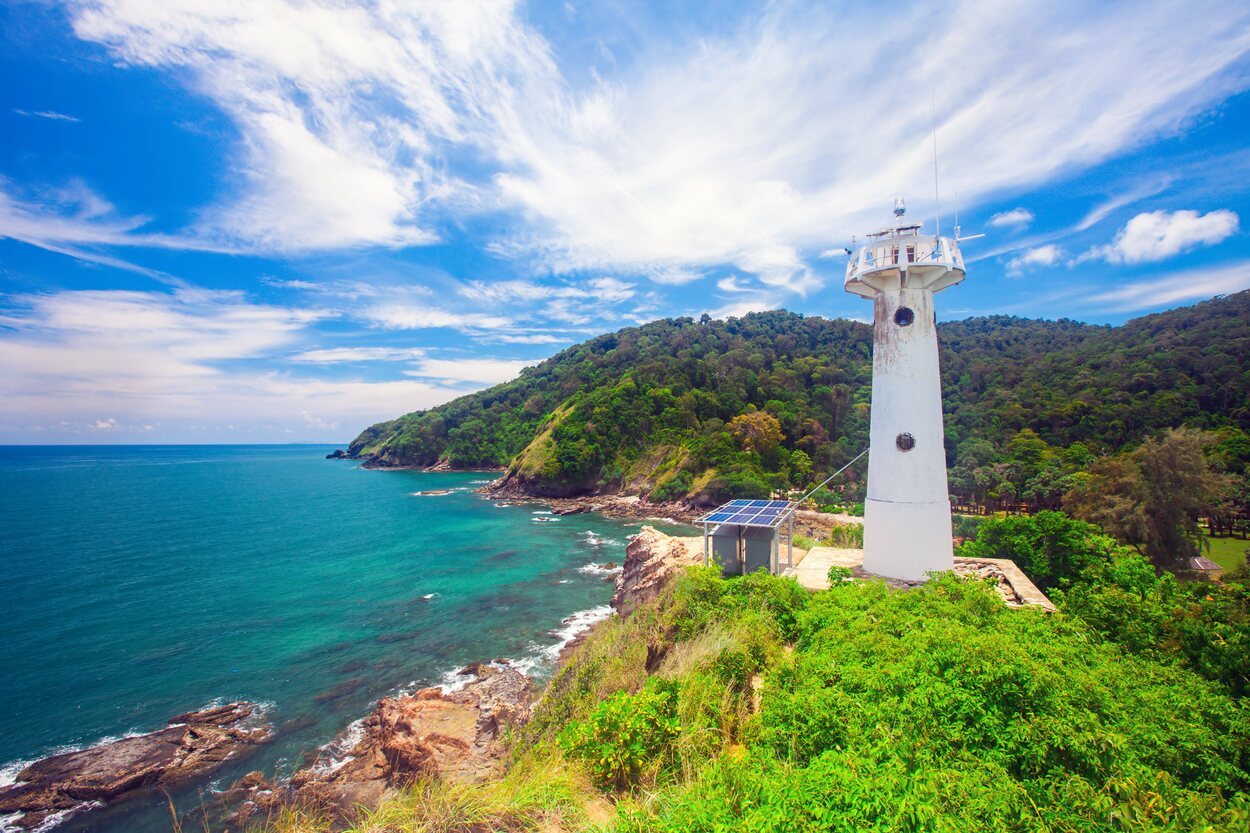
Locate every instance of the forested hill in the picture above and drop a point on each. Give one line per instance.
(708, 409)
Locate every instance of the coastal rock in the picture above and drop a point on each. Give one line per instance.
(427, 733)
(339, 454)
(651, 560)
(192, 743)
(250, 796)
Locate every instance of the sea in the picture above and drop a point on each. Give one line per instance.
(141, 582)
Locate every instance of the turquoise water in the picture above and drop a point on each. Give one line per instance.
(141, 582)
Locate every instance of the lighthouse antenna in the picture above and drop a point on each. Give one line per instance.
(937, 201)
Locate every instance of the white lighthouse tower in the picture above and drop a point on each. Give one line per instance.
(907, 516)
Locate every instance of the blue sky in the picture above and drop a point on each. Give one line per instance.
(274, 221)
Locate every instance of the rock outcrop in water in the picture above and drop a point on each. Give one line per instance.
(428, 733)
(191, 744)
(651, 560)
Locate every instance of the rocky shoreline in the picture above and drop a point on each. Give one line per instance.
(56, 787)
(430, 733)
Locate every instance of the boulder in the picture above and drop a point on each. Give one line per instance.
(430, 733)
(651, 560)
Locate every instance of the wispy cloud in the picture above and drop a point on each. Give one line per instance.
(339, 355)
(50, 115)
(477, 370)
(421, 317)
(1174, 288)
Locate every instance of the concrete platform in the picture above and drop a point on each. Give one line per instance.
(811, 570)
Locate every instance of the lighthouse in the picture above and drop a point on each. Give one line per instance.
(907, 514)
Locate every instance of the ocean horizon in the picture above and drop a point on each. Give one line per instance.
(144, 581)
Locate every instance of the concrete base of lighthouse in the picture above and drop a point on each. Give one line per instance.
(907, 540)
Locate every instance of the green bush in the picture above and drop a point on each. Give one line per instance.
(1050, 547)
(625, 733)
(1205, 626)
(675, 488)
(846, 536)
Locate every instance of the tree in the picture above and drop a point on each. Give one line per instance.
(756, 431)
(1152, 497)
(800, 467)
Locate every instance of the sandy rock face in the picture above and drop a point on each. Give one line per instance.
(651, 560)
(191, 744)
(428, 733)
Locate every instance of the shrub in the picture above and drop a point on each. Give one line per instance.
(675, 488)
(1050, 547)
(625, 733)
(846, 536)
(837, 574)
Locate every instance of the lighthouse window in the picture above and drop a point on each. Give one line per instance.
(905, 441)
(903, 316)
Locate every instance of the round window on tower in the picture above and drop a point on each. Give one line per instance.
(905, 441)
(903, 316)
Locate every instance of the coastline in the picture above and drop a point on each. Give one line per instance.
(527, 575)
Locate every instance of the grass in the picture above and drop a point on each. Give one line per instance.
(1229, 553)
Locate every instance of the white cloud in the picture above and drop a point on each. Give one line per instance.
(51, 115)
(1047, 255)
(1015, 218)
(730, 151)
(759, 302)
(671, 274)
(335, 355)
(345, 116)
(397, 316)
(667, 158)
(730, 284)
(610, 290)
(186, 361)
(604, 289)
(1176, 288)
(484, 371)
(529, 338)
(1158, 235)
(316, 423)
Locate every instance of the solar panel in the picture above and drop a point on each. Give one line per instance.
(761, 513)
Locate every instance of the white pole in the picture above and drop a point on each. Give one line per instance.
(790, 540)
